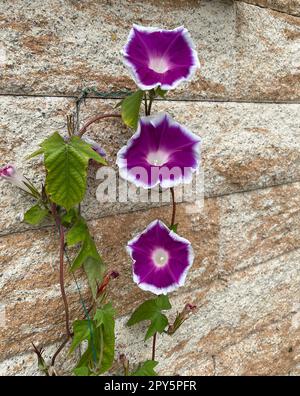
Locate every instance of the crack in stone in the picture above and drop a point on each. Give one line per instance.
(186, 100)
(266, 7)
(213, 196)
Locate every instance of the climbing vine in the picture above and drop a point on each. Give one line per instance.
(161, 153)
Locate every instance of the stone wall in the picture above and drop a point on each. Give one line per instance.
(244, 103)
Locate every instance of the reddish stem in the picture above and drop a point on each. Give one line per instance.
(61, 267)
(61, 347)
(95, 119)
(174, 206)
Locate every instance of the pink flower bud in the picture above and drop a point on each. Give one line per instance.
(12, 175)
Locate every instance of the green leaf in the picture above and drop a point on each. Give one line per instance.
(78, 233)
(145, 369)
(174, 227)
(105, 315)
(105, 323)
(94, 269)
(35, 153)
(158, 323)
(66, 164)
(70, 216)
(160, 92)
(88, 255)
(86, 149)
(35, 214)
(82, 332)
(151, 310)
(81, 371)
(100, 334)
(85, 330)
(130, 108)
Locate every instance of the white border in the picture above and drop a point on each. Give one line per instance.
(147, 286)
(156, 120)
(131, 67)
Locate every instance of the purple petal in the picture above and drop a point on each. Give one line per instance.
(161, 258)
(161, 152)
(157, 57)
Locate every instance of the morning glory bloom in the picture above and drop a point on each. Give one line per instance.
(14, 176)
(95, 146)
(161, 152)
(157, 57)
(161, 258)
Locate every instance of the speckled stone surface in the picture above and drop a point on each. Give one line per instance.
(240, 253)
(267, 54)
(291, 7)
(70, 45)
(245, 146)
(248, 325)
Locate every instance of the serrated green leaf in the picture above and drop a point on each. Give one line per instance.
(151, 310)
(146, 369)
(66, 164)
(130, 108)
(86, 148)
(88, 255)
(35, 214)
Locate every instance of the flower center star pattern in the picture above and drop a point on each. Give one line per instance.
(161, 258)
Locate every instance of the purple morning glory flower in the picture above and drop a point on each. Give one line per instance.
(157, 57)
(161, 152)
(95, 146)
(161, 258)
(15, 177)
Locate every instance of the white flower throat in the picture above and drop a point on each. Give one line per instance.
(157, 158)
(160, 257)
(158, 65)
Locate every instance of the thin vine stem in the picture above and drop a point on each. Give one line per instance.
(174, 206)
(61, 267)
(148, 112)
(69, 334)
(150, 105)
(95, 119)
(60, 348)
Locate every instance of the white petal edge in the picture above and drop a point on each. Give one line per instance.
(174, 286)
(131, 67)
(155, 120)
